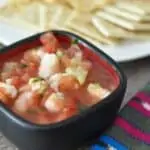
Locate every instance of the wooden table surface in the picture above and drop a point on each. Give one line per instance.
(138, 74)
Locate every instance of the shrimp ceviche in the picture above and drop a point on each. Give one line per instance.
(51, 83)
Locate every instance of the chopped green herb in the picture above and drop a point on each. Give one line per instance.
(36, 79)
(39, 78)
(23, 65)
(75, 41)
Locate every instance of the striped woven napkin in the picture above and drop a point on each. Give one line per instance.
(131, 129)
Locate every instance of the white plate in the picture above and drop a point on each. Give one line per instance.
(128, 51)
(2, 2)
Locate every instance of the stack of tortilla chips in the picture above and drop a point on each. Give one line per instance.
(110, 24)
(124, 20)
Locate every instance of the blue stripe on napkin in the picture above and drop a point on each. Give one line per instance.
(97, 147)
(111, 142)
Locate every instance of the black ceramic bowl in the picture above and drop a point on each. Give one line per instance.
(70, 133)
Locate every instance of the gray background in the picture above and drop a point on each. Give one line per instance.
(138, 74)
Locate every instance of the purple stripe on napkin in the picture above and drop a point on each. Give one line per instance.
(132, 130)
(139, 108)
(143, 96)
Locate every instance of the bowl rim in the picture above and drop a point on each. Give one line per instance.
(120, 89)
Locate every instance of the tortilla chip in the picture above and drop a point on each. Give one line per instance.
(86, 28)
(59, 18)
(129, 25)
(139, 8)
(30, 13)
(112, 31)
(88, 5)
(108, 29)
(89, 39)
(55, 1)
(18, 2)
(82, 5)
(44, 15)
(78, 16)
(8, 11)
(39, 14)
(126, 14)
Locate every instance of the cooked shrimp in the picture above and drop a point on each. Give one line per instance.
(31, 56)
(21, 103)
(54, 81)
(55, 102)
(9, 66)
(49, 65)
(75, 51)
(7, 70)
(25, 87)
(50, 42)
(8, 90)
(26, 100)
(63, 82)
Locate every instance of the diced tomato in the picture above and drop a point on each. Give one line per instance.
(27, 100)
(50, 48)
(2, 90)
(16, 81)
(45, 38)
(68, 83)
(64, 41)
(71, 103)
(34, 102)
(50, 42)
(33, 66)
